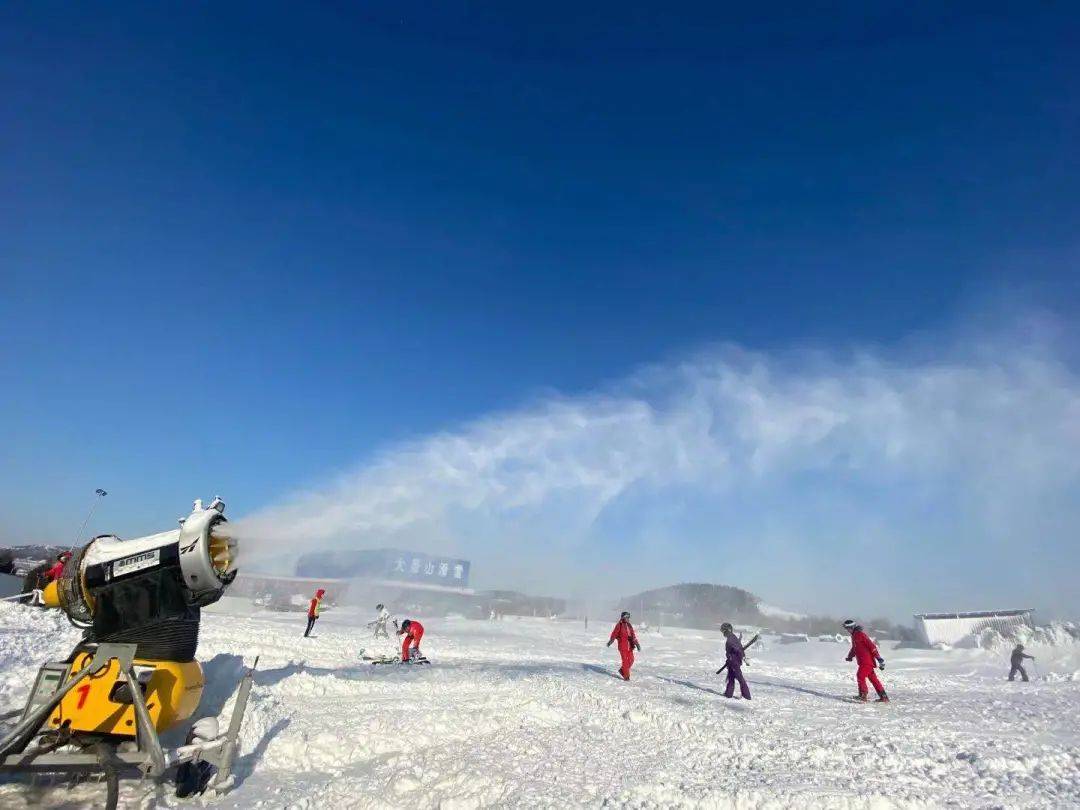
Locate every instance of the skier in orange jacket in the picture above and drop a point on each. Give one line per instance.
(313, 610)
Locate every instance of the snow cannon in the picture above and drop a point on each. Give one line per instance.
(134, 674)
(196, 562)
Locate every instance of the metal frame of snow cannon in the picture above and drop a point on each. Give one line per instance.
(97, 752)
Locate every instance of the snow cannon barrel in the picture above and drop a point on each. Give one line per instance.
(181, 569)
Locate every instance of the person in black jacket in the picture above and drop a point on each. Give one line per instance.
(1017, 661)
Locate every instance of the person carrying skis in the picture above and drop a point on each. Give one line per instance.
(865, 652)
(1017, 661)
(313, 610)
(627, 638)
(413, 631)
(381, 621)
(736, 655)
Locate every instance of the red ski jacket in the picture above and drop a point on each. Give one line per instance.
(316, 603)
(625, 635)
(863, 649)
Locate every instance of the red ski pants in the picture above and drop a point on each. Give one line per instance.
(414, 641)
(627, 662)
(866, 673)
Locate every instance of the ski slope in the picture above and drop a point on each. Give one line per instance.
(528, 713)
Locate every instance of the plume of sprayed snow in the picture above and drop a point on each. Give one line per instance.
(989, 436)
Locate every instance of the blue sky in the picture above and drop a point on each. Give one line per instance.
(245, 248)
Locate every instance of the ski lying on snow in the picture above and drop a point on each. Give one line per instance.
(394, 660)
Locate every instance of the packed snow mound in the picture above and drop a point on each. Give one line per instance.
(530, 714)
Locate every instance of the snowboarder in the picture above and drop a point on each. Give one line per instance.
(313, 611)
(865, 652)
(1017, 660)
(381, 620)
(627, 638)
(736, 655)
(413, 631)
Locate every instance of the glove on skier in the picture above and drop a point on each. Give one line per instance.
(881, 663)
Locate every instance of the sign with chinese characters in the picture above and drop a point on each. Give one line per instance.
(386, 563)
(418, 567)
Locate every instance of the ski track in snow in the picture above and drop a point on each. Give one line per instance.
(529, 713)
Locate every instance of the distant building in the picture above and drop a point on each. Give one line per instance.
(21, 566)
(949, 628)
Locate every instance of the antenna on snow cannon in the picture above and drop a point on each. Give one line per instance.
(134, 674)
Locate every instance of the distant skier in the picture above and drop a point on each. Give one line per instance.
(736, 655)
(628, 642)
(865, 652)
(313, 610)
(412, 631)
(1017, 661)
(381, 620)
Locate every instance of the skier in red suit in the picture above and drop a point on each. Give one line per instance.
(865, 653)
(412, 631)
(57, 569)
(627, 638)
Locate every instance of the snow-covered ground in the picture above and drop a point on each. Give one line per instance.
(528, 713)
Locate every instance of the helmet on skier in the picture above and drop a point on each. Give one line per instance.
(726, 628)
(379, 606)
(405, 625)
(851, 626)
(625, 614)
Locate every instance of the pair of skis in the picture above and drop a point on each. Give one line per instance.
(393, 659)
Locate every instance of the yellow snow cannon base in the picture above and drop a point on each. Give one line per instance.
(101, 704)
(50, 595)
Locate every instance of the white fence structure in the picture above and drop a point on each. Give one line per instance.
(949, 628)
